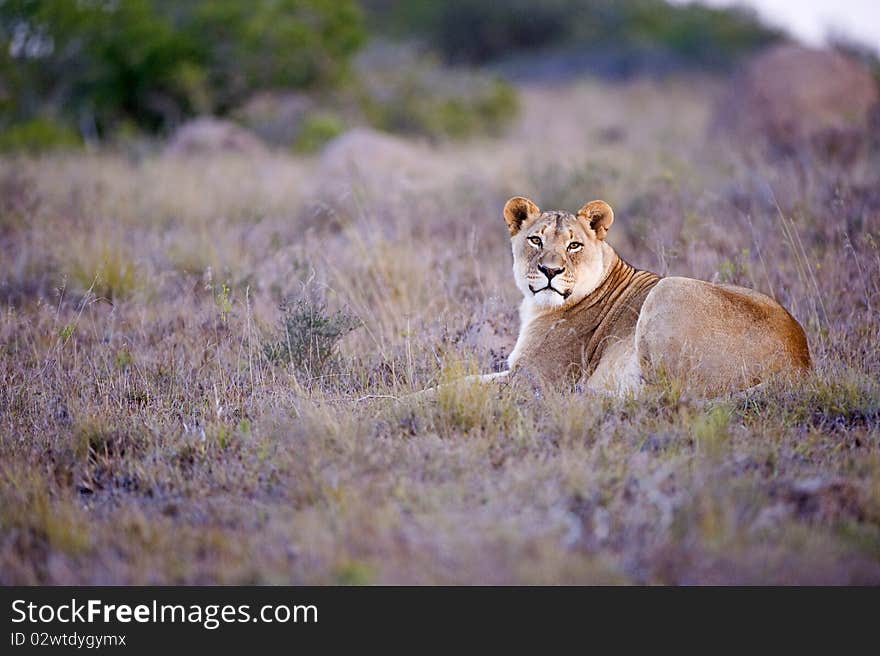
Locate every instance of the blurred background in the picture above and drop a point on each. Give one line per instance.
(296, 73)
(233, 233)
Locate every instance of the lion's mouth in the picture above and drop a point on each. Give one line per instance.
(564, 294)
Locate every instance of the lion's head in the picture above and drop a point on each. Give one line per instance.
(558, 257)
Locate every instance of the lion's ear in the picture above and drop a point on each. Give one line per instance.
(516, 211)
(598, 215)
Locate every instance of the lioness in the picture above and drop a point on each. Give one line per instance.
(589, 317)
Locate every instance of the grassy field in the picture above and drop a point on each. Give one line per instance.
(201, 362)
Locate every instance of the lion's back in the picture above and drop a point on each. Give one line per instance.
(722, 334)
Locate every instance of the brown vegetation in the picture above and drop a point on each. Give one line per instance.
(792, 97)
(164, 420)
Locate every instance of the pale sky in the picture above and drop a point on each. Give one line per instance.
(811, 20)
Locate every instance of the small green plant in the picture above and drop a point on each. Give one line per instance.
(711, 431)
(308, 335)
(106, 271)
(225, 435)
(466, 406)
(317, 130)
(355, 572)
(735, 271)
(38, 135)
(223, 300)
(123, 359)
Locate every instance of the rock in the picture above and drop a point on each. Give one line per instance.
(211, 135)
(493, 337)
(276, 117)
(360, 166)
(790, 97)
(367, 152)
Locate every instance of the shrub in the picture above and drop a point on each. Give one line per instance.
(153, 62)
(38, 135)
(475, 31)
(467, 406)
(103, 269)
(308, 335)
(317, 129)
(404, 91)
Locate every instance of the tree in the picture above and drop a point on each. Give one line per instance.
(154, 62)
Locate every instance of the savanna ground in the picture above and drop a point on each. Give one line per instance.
(175, 407)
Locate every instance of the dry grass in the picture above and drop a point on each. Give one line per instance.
(147, 435)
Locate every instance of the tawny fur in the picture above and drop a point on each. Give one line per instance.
(588, 317)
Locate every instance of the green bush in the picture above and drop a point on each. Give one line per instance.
(308, 335)
(707, 37)
(38, 135)
(476, 31)
(410, 93)
(317, 129)
(273, 44)
(155, 62)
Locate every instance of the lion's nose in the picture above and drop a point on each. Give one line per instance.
(550, 272)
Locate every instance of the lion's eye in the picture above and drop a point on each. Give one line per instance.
(536, 241)
(575, 246)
